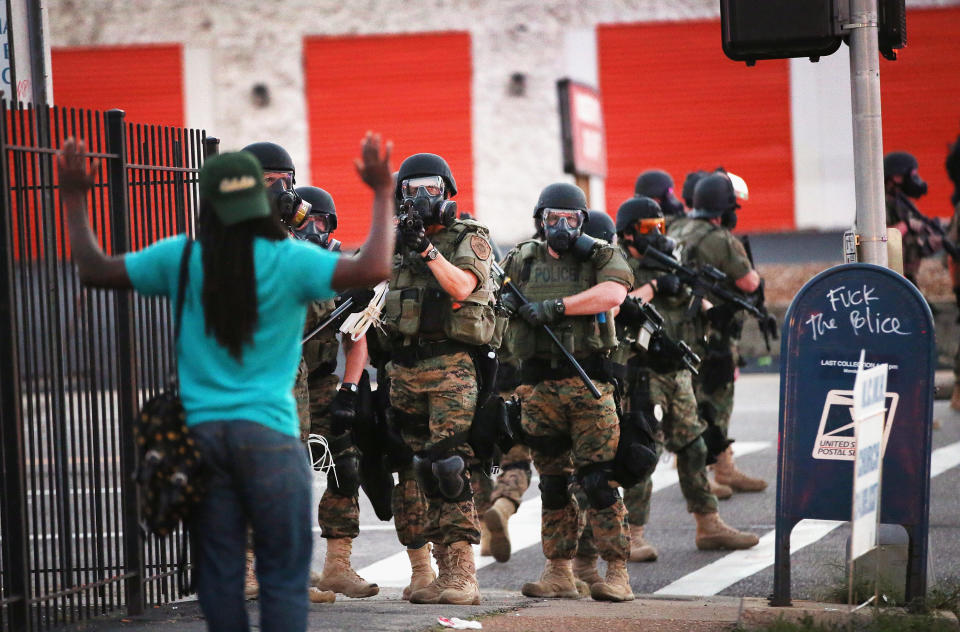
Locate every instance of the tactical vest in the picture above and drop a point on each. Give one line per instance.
(542, 277)
(321, 350)
(417, 306)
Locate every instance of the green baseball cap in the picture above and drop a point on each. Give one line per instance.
(233, 184)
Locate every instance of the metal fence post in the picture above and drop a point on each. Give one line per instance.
(127, 395)
(13, 527)
(211, 146)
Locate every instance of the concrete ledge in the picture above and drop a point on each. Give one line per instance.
(758, 615)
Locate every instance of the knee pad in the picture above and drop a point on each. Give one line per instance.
(694, 452)
(554, 491)
(423, 468)
(451, 475)
(346, 481)
(595, 480)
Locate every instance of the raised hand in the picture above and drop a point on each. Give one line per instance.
(75, 177)
(374, 167)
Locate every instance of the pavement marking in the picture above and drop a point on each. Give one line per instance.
(394, 570)
(728, 570)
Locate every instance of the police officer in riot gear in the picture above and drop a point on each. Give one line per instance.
(279, 175)
(659, 387)
(566, 428)
(689, 184)
(903, 185)
(321, 221)
(437, 314)
(657, 185)
(706, 238)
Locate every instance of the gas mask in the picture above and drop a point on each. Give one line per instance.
(728, 219)
(316, 229)
(562, 227)
(648, 233)
(913, 186)
(423, 196)
(291, 208)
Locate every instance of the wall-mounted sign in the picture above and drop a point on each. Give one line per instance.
(581, 128)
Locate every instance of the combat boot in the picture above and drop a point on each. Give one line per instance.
(461, 589)
(339, 576)
(321, 596)
(495, 520)
(955, 397)
(251, 588)
(722, 492)
(713, 533)
(726, 473)
(484, 539)
(585, 570)
(615, 586)
(640, 550)
(421, 573)
(556, 582)
(431, 592)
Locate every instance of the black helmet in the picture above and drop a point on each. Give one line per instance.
(713, 196)
(953, 170)
(635, 209)
(425, 165)
(599, 225)
(898, 163)
(321, 203)
(689, 185)
(653, 183)
(561, 195)
(272, 157)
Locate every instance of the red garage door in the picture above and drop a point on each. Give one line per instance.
(144, 81)
(413, 89)
(921, 99)
(672, 100)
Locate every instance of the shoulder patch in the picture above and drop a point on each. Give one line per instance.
(602, 256)
(480, 247)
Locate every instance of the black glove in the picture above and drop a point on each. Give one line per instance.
(509, 302)
(630, 310)
(343, 410)
(542, 312)
(668, 285)
(721, 315)
(413, 236)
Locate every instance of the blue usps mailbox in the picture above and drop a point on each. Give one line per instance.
(835, 315)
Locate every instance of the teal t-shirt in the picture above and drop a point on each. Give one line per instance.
(213, 385)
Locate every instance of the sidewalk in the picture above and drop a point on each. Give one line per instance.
(508, 611)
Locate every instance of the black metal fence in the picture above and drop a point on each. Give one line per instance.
(75, 365)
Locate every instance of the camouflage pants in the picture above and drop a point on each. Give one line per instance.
(444, 391)
(512, 481)
(680, 433)
(409, 510)
(564, 408)
(338, 516)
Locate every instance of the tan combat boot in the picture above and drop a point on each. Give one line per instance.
(321, 596)
(421, 573)
(484, 539)
(727, 474)
(713, 533)
(556, 582)
(251, 588)
(461, 589)
(339, 576)
(722, 492)
(585, 572)
(431, 592)
(495, 520)
(955, 397)
(640, 550)
(615, 586)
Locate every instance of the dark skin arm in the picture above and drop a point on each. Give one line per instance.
(96, 269)
(374, 261)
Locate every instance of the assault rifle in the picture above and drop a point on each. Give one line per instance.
(509, 284)
(767, 323)
(932, 226)
(652, 333)
(706, 281)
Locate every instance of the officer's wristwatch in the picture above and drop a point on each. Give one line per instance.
(559, 307)
(348, 386)
(432, 254)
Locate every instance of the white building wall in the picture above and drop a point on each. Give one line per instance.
(516, 142)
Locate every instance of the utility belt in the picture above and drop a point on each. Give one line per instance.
(422, 349)
(536, 370)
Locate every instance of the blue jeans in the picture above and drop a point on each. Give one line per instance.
(260, 478)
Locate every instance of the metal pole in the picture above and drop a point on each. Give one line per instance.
(867, 130)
